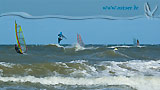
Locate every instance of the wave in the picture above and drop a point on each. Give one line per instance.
(82, 68)
(125, 46)
(138, 83)
(131, 68)
(76, 47)
(112, 55)
(120, 46)
(123, 55)
(79, 47)
(137, 74)
(140, 46)
(57, 45)
(8, 65)
(78, 61)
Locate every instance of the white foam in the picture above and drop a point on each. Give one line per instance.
(10, 65)
(78, 61)
(112, 68)
(57, 45)
(120, 47)
(140, 83)
(141, 46)
(80, 73)
(131, 68)
(79, 47)
(1, 72)
(63, 64)
(87, 70)
(146, 67)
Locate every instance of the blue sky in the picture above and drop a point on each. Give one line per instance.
(93, 31)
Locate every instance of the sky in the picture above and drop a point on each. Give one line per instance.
(92, 31)
(77, 7)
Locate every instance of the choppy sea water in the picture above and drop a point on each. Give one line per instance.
(71, 67)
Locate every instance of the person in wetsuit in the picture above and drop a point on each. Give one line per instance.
(60, 37)
(17, 49)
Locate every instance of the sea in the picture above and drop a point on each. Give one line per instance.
(72, 67)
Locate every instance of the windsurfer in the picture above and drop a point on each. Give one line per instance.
(137, 42)
(60, 37)
(17, 49)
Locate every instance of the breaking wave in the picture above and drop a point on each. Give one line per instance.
(134, 82)
(82, 68)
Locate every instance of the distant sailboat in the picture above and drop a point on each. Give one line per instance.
(79, 40)
(137, 42)
(20, 39)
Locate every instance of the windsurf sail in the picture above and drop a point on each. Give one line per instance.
(20, 38)
(79, 40)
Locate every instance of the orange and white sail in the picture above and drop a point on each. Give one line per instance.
(79, 40)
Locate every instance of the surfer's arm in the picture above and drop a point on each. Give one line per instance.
(64, 36)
